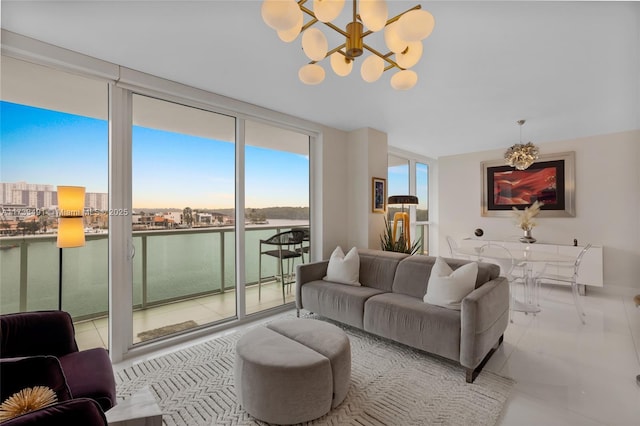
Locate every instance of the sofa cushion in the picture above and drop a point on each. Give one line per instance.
(343, 269)
(412, 275)
(447, 287)
(377, 268)
(339, 302)
(410, 321)
(19, 373)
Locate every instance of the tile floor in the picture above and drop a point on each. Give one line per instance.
(202, 310)
(566, 373)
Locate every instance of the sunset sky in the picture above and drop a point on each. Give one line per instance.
(169, 169)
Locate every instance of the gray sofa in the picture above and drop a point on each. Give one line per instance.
(389, 304)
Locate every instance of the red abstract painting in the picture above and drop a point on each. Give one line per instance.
(525, 186)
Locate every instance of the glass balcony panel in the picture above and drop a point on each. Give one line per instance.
(183, 211)
(49, 138)
(10, 263)
(84, 274)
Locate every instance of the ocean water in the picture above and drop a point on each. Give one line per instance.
(179, 265)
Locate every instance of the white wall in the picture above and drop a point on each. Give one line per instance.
(332, 197)
(367, 158)
(378, 158)
(607, 202)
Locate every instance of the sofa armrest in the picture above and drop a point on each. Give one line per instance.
(37, 333)
(308, 272)
(484, 318)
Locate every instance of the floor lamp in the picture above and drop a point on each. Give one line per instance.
(70, 224)
(636, 300)
(402, 216)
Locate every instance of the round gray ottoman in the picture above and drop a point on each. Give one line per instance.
(292, 371)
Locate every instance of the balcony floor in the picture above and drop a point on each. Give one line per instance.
(201, 310)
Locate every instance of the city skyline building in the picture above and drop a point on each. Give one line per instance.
(44, 196)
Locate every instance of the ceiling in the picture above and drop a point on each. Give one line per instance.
(571, 69)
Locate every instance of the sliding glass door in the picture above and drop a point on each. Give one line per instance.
(179, 163)
(277, 234)
(183, 218)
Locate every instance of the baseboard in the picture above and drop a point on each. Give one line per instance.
(614, 290)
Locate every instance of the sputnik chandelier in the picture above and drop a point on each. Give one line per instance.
(403, 35)
(520, 155)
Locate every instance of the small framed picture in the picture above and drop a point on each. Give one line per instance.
(379, 192)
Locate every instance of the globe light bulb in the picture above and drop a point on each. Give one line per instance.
(314, 44)
(393, 40)
(404, 80)
(340, 64)
(311, 74)
(416, 25)
(410, 56)
(372, 68)
(374, 14)
(280, 15)
(327, 10)
(291, 34)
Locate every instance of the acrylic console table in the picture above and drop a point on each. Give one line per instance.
(591, 269)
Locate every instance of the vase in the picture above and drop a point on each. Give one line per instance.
(527, 238)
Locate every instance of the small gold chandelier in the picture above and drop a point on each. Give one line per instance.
(520, 155)
(403, 35)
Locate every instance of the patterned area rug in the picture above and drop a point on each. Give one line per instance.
(391, 384)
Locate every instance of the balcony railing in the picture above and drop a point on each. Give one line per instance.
(422, 232)
(168, 265)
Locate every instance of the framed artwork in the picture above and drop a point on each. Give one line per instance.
(550, 180)
(379, 195)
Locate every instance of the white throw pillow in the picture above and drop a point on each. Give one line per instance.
(447, 287)
(344, 269)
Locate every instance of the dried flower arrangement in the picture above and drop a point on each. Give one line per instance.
(26, 400)
(524, 218)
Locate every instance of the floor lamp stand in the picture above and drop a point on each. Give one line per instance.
(60, 280)
(404, 218)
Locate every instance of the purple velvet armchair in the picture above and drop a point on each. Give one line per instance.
(39, 348)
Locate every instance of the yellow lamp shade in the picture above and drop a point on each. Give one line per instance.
(410, 56)
(404, 80)
(415, 25)
(70, 232)
(311, 74)
(71, 200)
(314, 44)
(372, 68)
(392, 39)
(374, 14)
(291, 34)
(340, 64)
(281, 15)
(327, 10)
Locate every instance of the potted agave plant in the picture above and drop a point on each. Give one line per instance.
(525, 220)
(387, 243)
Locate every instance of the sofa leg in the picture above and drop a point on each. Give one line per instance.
(297, 312)
(471, 374)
